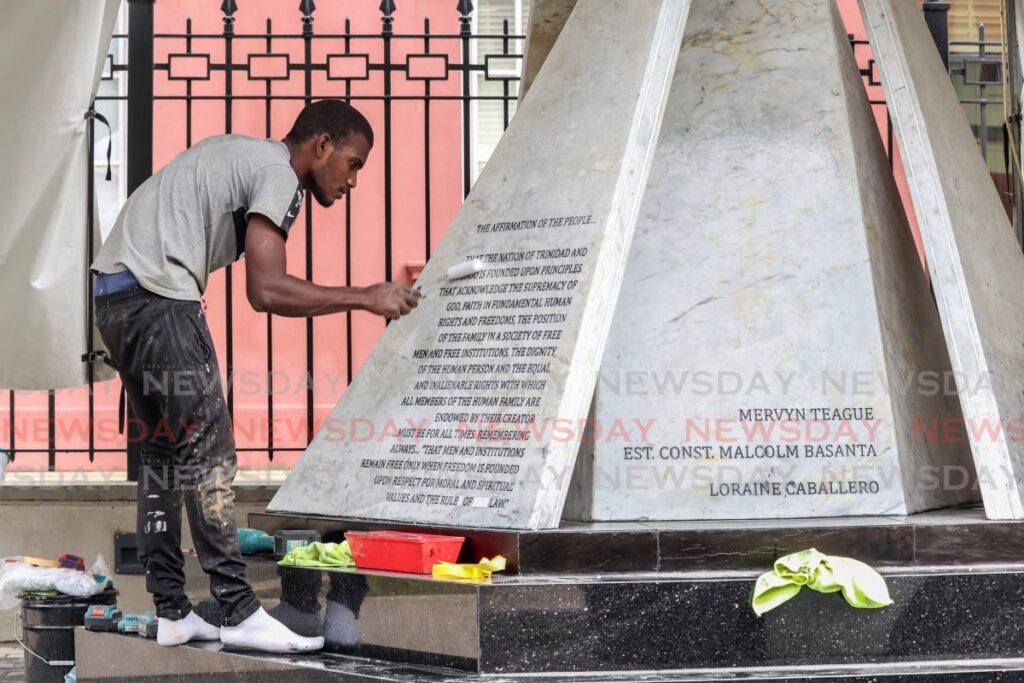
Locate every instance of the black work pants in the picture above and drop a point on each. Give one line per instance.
(163, 351)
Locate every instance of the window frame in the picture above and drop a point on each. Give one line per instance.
(518, 26)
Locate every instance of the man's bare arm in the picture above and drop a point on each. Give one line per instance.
(271, 290)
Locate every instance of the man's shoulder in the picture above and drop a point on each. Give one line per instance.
(260, 150)
(244, 160)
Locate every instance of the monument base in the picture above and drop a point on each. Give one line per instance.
(651, 602)
(141, 659)
(941, 537)
(138, 660)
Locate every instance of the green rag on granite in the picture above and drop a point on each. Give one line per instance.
(861, 585)
(320, 555)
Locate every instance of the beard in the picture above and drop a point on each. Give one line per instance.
(320, 194)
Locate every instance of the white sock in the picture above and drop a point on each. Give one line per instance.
(265, 633)
(178, 631)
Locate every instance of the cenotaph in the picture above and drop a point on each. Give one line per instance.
(471, 407)
(775, 349)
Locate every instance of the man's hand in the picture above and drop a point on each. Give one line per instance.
(390, 299)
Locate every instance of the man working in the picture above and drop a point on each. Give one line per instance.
(226, 196)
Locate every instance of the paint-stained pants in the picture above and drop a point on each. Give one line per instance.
(163, 351)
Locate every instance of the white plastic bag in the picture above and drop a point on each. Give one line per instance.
(19, 576)
(76, 583)
(100, 570)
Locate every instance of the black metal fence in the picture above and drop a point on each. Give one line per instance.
(301, 62)
(976, 69)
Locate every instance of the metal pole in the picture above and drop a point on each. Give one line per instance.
(387, 8)
(307, 7)
(228, 8)
(140, 92)
(90, 242)
(936, 15)
(982, 94)
(465, 9)
(140, 140)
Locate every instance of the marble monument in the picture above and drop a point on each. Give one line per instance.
(468, 411)
(775, 344)
(547, 18)
(975, 262)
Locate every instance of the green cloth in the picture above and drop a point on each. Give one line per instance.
(320, 555)
(861, 585)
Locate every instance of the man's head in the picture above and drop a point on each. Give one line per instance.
(329, 143)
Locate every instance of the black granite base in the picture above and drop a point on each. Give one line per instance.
(609, 602)
(960, 536)
(522, 625)
(641, 622)
(143, 661)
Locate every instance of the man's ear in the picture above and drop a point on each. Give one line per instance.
(324, 146)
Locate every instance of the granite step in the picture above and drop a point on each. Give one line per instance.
(113, 658)
(645, 621)
(952, 536)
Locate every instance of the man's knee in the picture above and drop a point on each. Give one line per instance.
(214, 497)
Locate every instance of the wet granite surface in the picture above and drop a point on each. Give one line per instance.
(614, 601)
(111, 658)
(643, 621)
(959, 536)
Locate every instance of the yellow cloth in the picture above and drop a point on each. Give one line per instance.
(320, 555)
(861, 585)
(482, 570)
(40, 562)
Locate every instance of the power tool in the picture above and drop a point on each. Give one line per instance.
(102, 618)
(144, 624)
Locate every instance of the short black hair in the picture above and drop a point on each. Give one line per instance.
(336, 118)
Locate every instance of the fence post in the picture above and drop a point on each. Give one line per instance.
(140, 138)
(936, 15)
(387, 30)
(228, 9)
(465, 9)
(307, 7)
(140, 92)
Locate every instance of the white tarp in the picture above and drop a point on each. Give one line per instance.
(52, 52)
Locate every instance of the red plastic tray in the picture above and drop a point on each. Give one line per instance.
(402, 552)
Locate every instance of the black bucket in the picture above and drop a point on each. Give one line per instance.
(48, 626)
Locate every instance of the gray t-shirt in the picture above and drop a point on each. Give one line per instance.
(189, 218)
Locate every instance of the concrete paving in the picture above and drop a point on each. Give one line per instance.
(12, 663)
